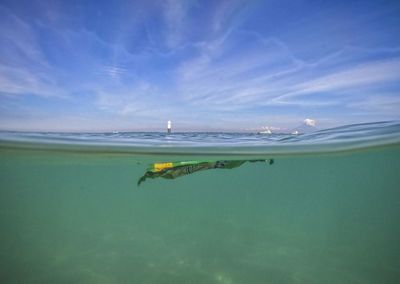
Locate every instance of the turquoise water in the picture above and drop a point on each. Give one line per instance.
(326, 211)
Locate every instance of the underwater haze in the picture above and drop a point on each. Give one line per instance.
(312, 208)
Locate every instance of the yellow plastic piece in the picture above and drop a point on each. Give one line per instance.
(160, 166)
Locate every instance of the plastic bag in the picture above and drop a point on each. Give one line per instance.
(172, 170)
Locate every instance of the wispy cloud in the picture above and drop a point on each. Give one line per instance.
(371, 73)
(23, 66)
(115, 72)
(240, 78)
(138, 99)
(267, 73)
(175, 14)
(17, 81)
(218, 63)
(19, 43)
(223, 13)
(378, 104)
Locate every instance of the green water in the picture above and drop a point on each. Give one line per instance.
(75, 218)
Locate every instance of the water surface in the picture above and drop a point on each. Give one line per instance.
(326, 211)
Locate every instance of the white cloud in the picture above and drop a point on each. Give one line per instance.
(309, 121)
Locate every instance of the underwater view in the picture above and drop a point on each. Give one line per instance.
(201, 207)
(199, 142)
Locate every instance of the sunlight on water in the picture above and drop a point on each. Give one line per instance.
(79, 217)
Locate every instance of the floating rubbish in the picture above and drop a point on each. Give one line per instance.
(172, 170)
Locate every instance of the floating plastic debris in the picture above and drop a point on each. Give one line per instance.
(172, 170)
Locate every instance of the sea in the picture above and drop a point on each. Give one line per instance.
(322, 207)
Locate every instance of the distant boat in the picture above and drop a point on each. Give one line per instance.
(295, 132)
(267, 131)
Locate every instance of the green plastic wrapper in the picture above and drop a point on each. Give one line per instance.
(172, 170)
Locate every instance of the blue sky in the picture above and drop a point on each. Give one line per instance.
(205, 65)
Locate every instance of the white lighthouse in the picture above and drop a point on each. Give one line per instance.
(169, 126)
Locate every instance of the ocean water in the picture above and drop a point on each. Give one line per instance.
(326, 210)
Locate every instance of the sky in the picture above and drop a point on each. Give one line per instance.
(205, 65)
